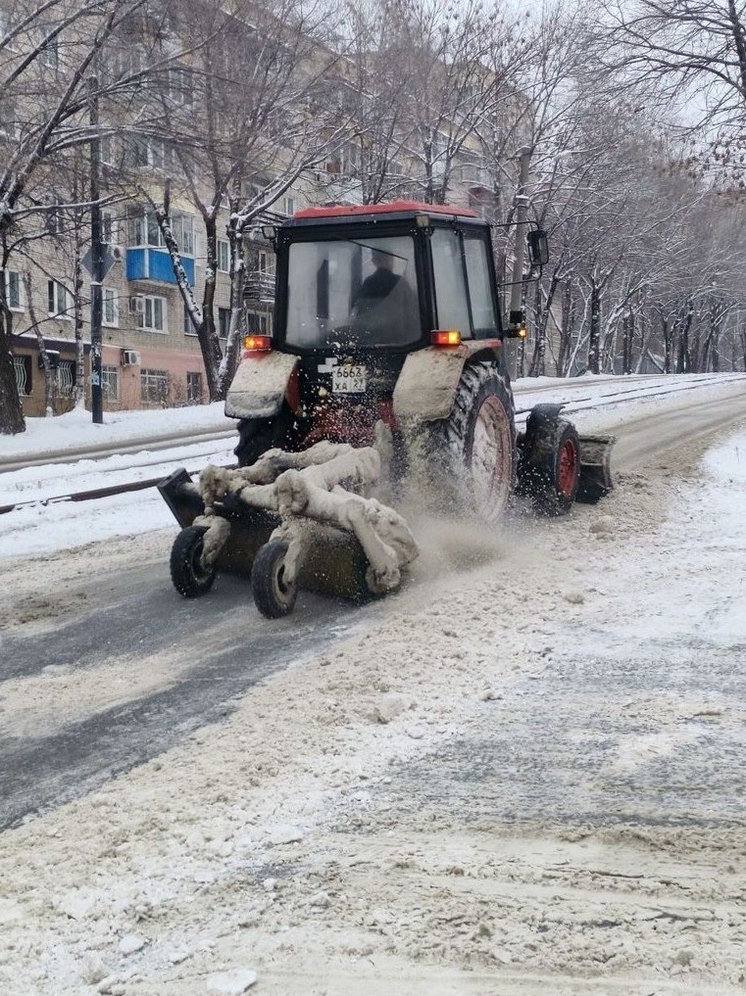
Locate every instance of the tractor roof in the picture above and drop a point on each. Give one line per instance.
(396, 208)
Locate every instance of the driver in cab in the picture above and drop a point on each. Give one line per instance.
(385, 306)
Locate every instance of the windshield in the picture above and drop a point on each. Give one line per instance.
(356, 292)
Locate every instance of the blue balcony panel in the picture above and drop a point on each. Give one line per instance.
(147, 263)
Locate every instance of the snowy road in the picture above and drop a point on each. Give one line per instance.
(118, 647)
(523, 778)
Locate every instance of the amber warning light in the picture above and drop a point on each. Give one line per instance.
(257, 343)
(445, 338)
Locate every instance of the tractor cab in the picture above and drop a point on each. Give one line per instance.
(383, 278)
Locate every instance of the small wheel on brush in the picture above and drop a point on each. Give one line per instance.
(189, 575)
(556, 471)
(273, 594)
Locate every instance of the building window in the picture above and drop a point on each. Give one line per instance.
(145, 231)
(152, 318)
(194, 388)
(288, 206)
(259, 322)
(224, 256)
(180, 86)
(146, 152)
(59, 299)
(7, 25)
(110, 383)
(8, 116)
(51, 51)
(53, 220)
(182, 226)
(13, 290)
(106, 150)
(188, 327)
(111, 307)
(108, 228)
(154, 387)
(22, 367)
(66, 378)
(224, 322)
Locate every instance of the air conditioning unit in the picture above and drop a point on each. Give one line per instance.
(130, 358)
(137, 304)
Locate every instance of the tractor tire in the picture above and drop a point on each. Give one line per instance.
(553, 468)
(191, 579)
(272, 596)
(257, 435)
(468, 458)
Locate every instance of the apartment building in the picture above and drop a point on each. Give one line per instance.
(151, 354)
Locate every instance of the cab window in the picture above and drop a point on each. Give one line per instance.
(480, 288)
(450, 288)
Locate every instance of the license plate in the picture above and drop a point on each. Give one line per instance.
(347, 379)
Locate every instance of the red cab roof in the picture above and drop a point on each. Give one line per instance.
(396, 207)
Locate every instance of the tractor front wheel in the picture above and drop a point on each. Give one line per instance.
(273, 594)
(257, 435)
(553, 467)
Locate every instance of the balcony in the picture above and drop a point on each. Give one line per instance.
(260, 286)
(149, 263)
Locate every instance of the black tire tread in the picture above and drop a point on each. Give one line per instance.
(183, 552)
(544, 472)
(262, 581)
(439, 448)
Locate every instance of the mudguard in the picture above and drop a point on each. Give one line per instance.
(259, 385)
(427, 384)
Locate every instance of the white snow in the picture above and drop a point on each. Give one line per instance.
(34, 529)
(281, 839)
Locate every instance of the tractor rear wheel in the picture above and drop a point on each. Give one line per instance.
(273, 595)
(467, 458)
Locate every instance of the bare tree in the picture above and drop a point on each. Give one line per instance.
(241, 143)
(53, 70)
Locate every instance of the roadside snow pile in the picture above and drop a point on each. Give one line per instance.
(76, 430)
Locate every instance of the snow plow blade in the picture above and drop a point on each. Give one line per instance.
(595, 468)
(335, 565)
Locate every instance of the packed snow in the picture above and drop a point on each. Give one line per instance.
(521, 774)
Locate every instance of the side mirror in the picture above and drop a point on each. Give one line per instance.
(538, 247)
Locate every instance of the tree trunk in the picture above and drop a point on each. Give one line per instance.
(667, 346)
(683, 354)
(79, 389)
(628, 332)
(11, 411)
(238, 274)
(594, 341)
(542, 311)
(568, 324)
(49, 379)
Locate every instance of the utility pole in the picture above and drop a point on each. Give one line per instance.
(97, 261)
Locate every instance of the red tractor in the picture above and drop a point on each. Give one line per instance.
(392, 312)
(385, 315)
